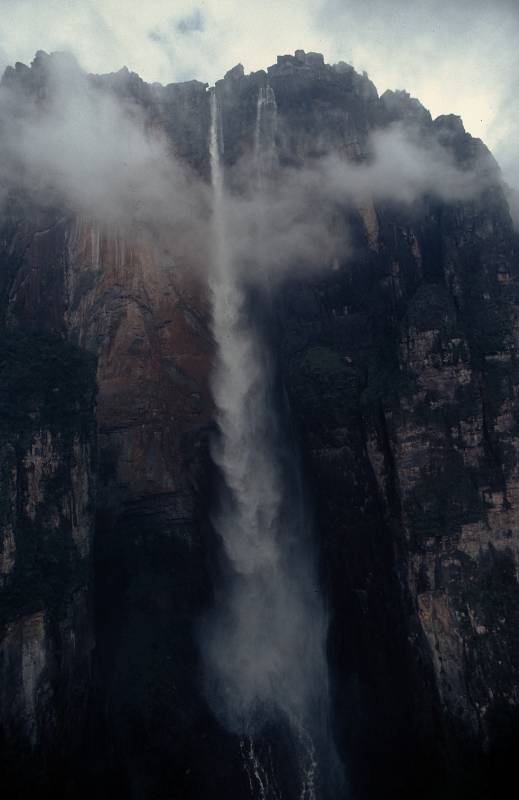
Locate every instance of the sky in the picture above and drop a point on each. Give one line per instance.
(457, 57)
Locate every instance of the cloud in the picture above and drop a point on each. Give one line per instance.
(102, 156)
(457, 57)
(302, 209)
(80, 145)
(192, 23)
(154, 41)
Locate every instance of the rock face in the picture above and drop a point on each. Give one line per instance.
(403, 376)
(146, 330)
(47, 461)
(401, 370)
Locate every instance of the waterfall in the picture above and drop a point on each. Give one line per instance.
(248, 529)
(264, 644)
(265, 153)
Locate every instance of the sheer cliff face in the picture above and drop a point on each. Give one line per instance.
(400, 366)
(404, 379)
(145, 327)
(47, 446)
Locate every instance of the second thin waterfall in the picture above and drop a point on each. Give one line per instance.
(265, 641)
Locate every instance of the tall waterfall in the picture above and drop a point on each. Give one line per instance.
(265, 641)
(265, 153)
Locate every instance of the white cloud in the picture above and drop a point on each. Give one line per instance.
(151, 38)
(459, 56)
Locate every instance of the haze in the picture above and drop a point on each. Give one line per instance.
(456, 57)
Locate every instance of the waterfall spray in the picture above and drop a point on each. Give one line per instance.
(265, 643)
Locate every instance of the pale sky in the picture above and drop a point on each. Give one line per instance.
(457, 57)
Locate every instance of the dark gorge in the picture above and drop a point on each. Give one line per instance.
(259, 448)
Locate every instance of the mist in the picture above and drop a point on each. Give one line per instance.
(458, 57)
(75, 144)
(303, 208)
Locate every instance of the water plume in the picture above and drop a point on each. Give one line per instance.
(265, 644)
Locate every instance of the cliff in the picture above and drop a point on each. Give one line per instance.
(47, 462)
(400, 369)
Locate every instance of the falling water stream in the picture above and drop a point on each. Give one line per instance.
(265, 644)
